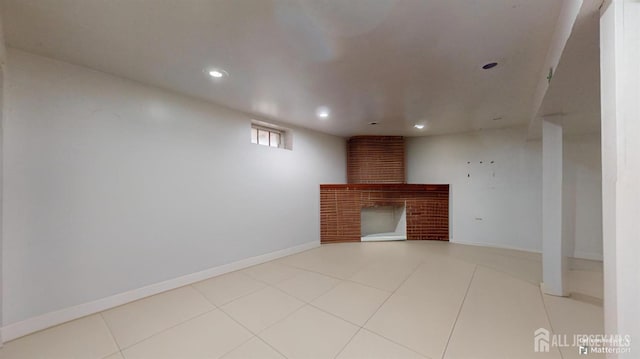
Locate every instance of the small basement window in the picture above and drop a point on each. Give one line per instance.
(268, 135)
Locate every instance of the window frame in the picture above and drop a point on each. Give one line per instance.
(282, 134)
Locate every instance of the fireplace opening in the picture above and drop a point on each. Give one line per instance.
(383, 223)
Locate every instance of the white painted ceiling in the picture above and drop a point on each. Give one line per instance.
(395, 62)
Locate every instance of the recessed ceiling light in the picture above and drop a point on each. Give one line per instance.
(489, 65)
(218, 73)
(322, 112)
(419, 126)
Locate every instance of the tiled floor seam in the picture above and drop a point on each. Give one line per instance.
(546, 313)
(507, 273)
(271, 346)
(455, 322)
(282, 319)
(200, 292)
(317, 272)
(114, 353)
(165, 329)
(380, 306)
(347, 343)
(112, 336)
(396, 343)
(364, 284)
(253, 335)
(334, 315)
(276, 322)
(234, 299)
(268, 326)
(274, 286)
(392, 293)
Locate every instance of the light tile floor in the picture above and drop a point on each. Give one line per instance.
(414, 299)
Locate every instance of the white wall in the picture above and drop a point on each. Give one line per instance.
(111, 185)
(620, 85)
(3, 57)
(500, 204)
(582, 196)
(497, 204)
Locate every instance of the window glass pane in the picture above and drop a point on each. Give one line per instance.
(263, 137)
(254, 135)
(275, 139)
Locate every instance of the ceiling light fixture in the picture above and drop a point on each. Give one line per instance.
(217, 73)
(419, 126)
(322, 112)
(489, 65)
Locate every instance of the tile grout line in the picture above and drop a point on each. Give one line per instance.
(347, 343)
(546, 313)
(215, 307)
(398, 344)
(268, 326)
(234, 299)
(202, 295)
(111, 333)
(271, 346)
(304, 300)
(272, 262)
(168, 328)
(506, 273)
(378, 309)
(279, 321)
(360, 283)
(464, 299)
(334, 315)
(254, 335)
(394, 292)
(383, 303)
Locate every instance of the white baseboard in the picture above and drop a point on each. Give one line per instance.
(31, 325)
(491, 245)
(577, 254)
(547, 290)
(588, 255)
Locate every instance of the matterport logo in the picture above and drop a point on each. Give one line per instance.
(584, 344)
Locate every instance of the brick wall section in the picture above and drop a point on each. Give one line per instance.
(375, 159)
(427, 209)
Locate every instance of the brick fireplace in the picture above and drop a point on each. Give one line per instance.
(376, 176)
(427, 208)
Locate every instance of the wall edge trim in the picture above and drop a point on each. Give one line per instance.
(495, 245)
(588, 255)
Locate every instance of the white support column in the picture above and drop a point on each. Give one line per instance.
(3, 55)
(620, 103)
(553, 256)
